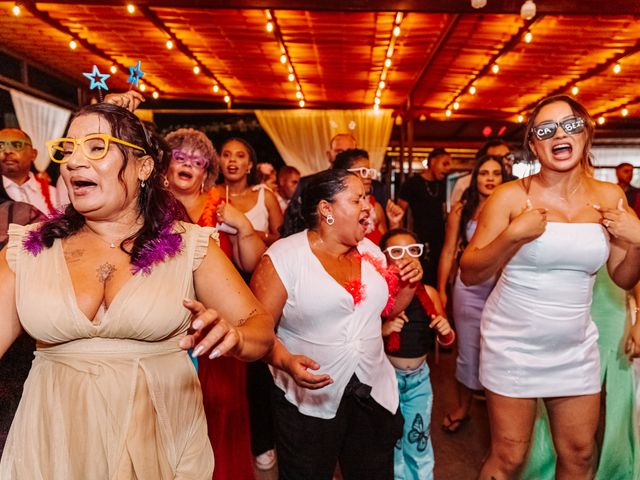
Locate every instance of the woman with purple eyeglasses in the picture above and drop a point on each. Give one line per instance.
(191, 176)
(549, 234)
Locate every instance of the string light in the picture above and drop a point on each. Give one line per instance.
(376, 106)
(215, 88)
(142, 87)
(528, 10)
(575, 90)
(396, 31)
(520, 119)
(196, 69)
(15, 9)
(387, 62)
(624, 112)
(456, 105)
(155, 95)
(528, 37)
(131, 8)
(269, 27)
(169, 44)
(472, 90)
(384, 73)
(301, 103)
(447, 113)
(381, 85)
(617, 68)
(283, 58)
(73, 45)
(113, 69)
(495, 68)
(601, 120)
(291, 77)
(376, 100)
(227, 99)
(299, 95)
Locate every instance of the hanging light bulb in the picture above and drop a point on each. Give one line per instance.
(73, 45)
(495, 68)
(216, 88)
(283, 58)
(390, 51)
(269, 27)
(396, 31)
(478, 3)
(447, 113)
(376, 100)
(528, 10)
(299, 95)
(617, 68)
(15, 9)
(131, 8)
(528, 37)
(376, 106)
(398, 18)
(456, 105)
(383, 76)
(624, 112)
(387, 62)
(291, 77)
(601, 120)
(381, 85)
(169, 44)
(472, 90)
(142, 87)
(575, 90)
(301, 103)
(227, 99)
(155, 95)
(196, 69)
(520, 119)
(113, 69)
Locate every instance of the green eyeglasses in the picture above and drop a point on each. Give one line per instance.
(94, 146)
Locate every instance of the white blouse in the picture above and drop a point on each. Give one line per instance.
(320, 320)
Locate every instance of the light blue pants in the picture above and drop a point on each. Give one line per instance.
(413, 457)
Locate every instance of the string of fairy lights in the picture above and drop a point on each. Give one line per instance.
(493, 67)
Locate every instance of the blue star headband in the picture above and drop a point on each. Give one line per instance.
(135, 74)
(98, 80)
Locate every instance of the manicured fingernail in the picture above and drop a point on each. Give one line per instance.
(214, 354)
(187, 300)
(596, 206)
(197, 324)
(197, 351)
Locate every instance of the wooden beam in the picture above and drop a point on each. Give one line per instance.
(545, 7)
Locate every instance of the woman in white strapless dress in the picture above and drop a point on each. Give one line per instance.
(549, 234)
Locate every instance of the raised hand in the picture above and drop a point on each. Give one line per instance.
(621, 223)
(529, 225)
(394, 213)
(129, 100)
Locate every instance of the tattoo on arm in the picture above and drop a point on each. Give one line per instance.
(105, 272)
(242, 321)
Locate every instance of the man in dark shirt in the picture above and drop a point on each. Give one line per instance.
(425, 194)
(624, 174)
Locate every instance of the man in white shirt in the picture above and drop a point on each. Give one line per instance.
(16, 160)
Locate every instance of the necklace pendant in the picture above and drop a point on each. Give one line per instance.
(112, 245)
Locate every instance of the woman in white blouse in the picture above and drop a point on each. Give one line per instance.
(328, 286)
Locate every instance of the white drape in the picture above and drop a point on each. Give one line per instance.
(41, 120)
(302, 136)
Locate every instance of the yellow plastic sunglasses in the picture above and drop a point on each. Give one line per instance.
(94, 146)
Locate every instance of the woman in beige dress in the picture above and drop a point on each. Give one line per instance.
(108, 291)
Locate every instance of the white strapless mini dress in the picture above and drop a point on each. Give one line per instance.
(537, 336)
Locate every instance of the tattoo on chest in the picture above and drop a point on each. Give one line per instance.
(73, 256)
(105, 272)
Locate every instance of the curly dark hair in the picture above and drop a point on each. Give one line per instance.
(156, 206)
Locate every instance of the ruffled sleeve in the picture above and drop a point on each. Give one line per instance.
(17, 234)
(203, 234)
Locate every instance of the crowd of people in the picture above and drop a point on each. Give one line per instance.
(195, 304)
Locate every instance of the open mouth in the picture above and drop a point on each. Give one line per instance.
(562, 151)
(185, 175)
(232, 169)
(81, 187)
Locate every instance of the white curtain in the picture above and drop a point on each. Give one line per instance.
(42, 121)
(302, 136)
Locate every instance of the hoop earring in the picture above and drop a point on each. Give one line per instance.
(330, 220)
(165, 182)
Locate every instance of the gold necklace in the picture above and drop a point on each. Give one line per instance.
(111, 244)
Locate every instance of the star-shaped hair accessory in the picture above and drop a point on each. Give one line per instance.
(98, 80)
(135, 74)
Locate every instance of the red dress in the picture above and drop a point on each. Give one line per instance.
(223, 382)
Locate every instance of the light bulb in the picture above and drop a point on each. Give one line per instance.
(456, 105)
(472, 90)
(390, 51)
(378, 92)
(113, 69)
(520, 119)
(216, 88)
(16, 10)
(131, 8)
(617, 68)
(398, 18)
(291, 77)
(478, 3)
(142, 87)
(73, 45)
(283, 58)
(601, 120)
(269, 27)
(381, 84)
(196, 69)
(447, 113)
(396, 31)
(227, 99)
(495, 68)
(528, 37)
(155, 95)
(376, 100)
(387, 62)
(383, 76)
(528, 10)
(298, 88)
(169, 44)
(301, 103)
(423, 117)
(575, 90)
(624, 112)
(376, 106)
(299, 95)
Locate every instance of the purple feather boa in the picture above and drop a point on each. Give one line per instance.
(166, 245)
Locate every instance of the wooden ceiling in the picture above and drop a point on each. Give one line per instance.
(337, 51)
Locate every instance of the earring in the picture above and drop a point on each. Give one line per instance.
(202, 187)
(142, 184)
(330, 220)
(165, 182)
